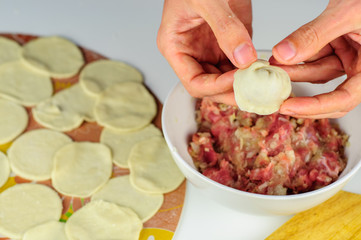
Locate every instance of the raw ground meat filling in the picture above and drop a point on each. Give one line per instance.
(272, 154)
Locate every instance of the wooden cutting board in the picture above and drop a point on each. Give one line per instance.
(163, 224)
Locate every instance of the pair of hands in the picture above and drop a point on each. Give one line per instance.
(205, 41)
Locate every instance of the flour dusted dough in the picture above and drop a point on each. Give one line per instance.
(4, 169)
(27, 205)
(31, 154)
(119, 190)
(152, 168)
(52, 230)
(81, 168)
(99, 75)
(102, 220)
(53, 55)
(125, 106)
(66, 110)
(261, 88)
(122, 142)
(13, 120)
(9, 50)
(22, 85)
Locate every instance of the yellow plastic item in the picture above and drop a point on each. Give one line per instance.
(337, 218)
(155, 234)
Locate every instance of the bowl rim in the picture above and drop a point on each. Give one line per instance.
(340, 181)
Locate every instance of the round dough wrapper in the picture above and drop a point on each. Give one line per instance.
(103, 220)
(99, 75)
(81, 168)
(53, 55)
(125, 106)
(121, 143)
(66, 110)
(119, 190)
(31, 154)
(261, 88)
(9, 50)
(13, 120)
(22, 85)
(52, 230)
(27, 205)
(4, 169)
(152, 168)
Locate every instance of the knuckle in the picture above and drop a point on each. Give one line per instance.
(194, 93)
(160, 41)
(308, 35)
(225, 24)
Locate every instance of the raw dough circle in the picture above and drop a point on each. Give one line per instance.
(52, 230)
(152, 168)
(13, 120)
(4, 169)
(56, 56)
(81, 168)
(261, 88)
(119, 190)
(122, 142)
(99, 75)
(26, 205)
(103, 220)
(31, 154)
(66, 110)
(22, 85)
(125, 106)
(9, 50)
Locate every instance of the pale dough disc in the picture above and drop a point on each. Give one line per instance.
(103, 220)
(121, 143)
(55, 56)
(152, 168)
(31, 154)
(13, 120)
(81, 168)
(52, 230)
(9, 50)
(99, 75)
(125, 106)
(261, 88)
(119, 190)
(22, 85)
(66, 110)
(27, 205)
(4, 169)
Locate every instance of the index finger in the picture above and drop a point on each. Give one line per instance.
(335, 104)
(199, 83)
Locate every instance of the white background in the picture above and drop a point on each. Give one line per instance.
(126, 31)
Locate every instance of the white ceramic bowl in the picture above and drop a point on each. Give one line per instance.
(178, 122)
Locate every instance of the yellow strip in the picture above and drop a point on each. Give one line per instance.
(170, 209)
(11, 182)
(61, 85)
(5, 147)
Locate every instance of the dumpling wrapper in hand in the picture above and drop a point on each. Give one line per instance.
(261, 88)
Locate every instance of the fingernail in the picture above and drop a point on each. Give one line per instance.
(244, 54)
(286, 50)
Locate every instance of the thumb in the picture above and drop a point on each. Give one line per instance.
(230, 24)
(309, 39)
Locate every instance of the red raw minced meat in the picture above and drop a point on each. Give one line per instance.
(272, 154)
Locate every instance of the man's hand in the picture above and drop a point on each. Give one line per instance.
(329, 46)
(204, 41)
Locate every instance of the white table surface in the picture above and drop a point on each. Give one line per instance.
(127, 30)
